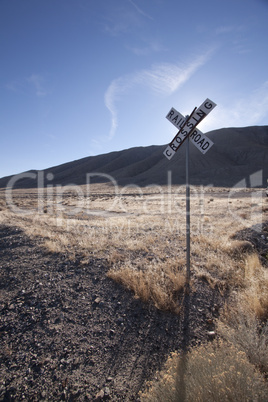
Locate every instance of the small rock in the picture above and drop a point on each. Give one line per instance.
(210, 321)
(216, 308)
(107, 391)
(99, 396)
(76, 361)
(211, 334)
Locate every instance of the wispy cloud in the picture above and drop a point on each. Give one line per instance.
(128, 18)
(150, 47)
(249, 111)
(255, 105)
(110, 98)
(12, 86)
(163, 79)
(140, 11)
(37, 81)
(115, 28)
(236, 34)
(225, 29)
(241, 47)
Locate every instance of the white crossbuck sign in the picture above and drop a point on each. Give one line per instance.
(188, 128)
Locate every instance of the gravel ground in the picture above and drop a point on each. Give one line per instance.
(70, 333)
(257, 236)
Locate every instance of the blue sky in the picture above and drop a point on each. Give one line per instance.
(86, 77)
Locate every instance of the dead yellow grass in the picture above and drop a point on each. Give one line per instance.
(239, 325)
(142, 236)
(161, 284)
(213, 372)
(255, 292)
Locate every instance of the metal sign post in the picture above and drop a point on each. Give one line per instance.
(188, 232)
(188, 131)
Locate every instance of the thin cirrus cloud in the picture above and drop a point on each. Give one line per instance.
(139, 10)
(37, 81)
(152, 47)
(163, 79)
(256, 104)
(225, 29)
(259, 102)
(233, 115)
(34, 82)
(123, 21)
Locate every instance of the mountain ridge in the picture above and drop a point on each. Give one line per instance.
(236, 156)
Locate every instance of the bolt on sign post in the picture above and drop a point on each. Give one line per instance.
(188, 131)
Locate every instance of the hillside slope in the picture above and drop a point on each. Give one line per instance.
(239, 157)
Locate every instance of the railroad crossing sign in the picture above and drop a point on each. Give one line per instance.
(187, 130)
(187, 127)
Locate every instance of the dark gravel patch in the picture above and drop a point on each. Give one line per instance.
(258, 237)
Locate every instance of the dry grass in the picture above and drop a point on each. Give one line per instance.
(238, 248)
(222, 263)
(163, 285)
(233, 368)
(142, 238)
(213, 372)
(238, 325)
(255, 292)
(243, 321)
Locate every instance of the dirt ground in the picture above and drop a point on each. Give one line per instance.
(70, 333)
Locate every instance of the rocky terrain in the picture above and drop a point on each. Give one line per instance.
(70, 333)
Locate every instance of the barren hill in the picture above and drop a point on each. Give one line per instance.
(239, 157)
